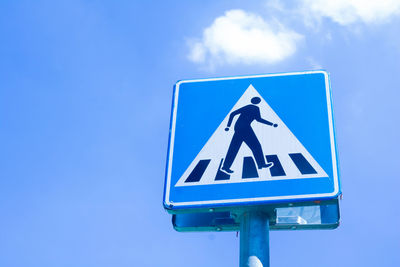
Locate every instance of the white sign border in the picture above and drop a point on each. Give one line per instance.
(170, 204)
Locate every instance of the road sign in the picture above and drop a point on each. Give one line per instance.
(251, 140)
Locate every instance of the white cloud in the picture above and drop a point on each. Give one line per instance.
(347, 12)
(242, 37)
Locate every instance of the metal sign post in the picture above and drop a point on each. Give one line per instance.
(254, 239)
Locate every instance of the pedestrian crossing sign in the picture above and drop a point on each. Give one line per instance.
(251, 140)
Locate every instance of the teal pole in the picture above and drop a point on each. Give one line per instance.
(254, 239)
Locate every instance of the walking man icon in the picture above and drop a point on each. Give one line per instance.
(244, 133)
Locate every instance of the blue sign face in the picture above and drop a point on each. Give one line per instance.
(251, 140)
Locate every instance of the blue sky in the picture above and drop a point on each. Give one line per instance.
(85, 98)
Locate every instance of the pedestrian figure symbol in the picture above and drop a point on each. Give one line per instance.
(244, 133)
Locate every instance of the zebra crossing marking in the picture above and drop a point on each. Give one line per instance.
(277, 169)
(250, 170)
